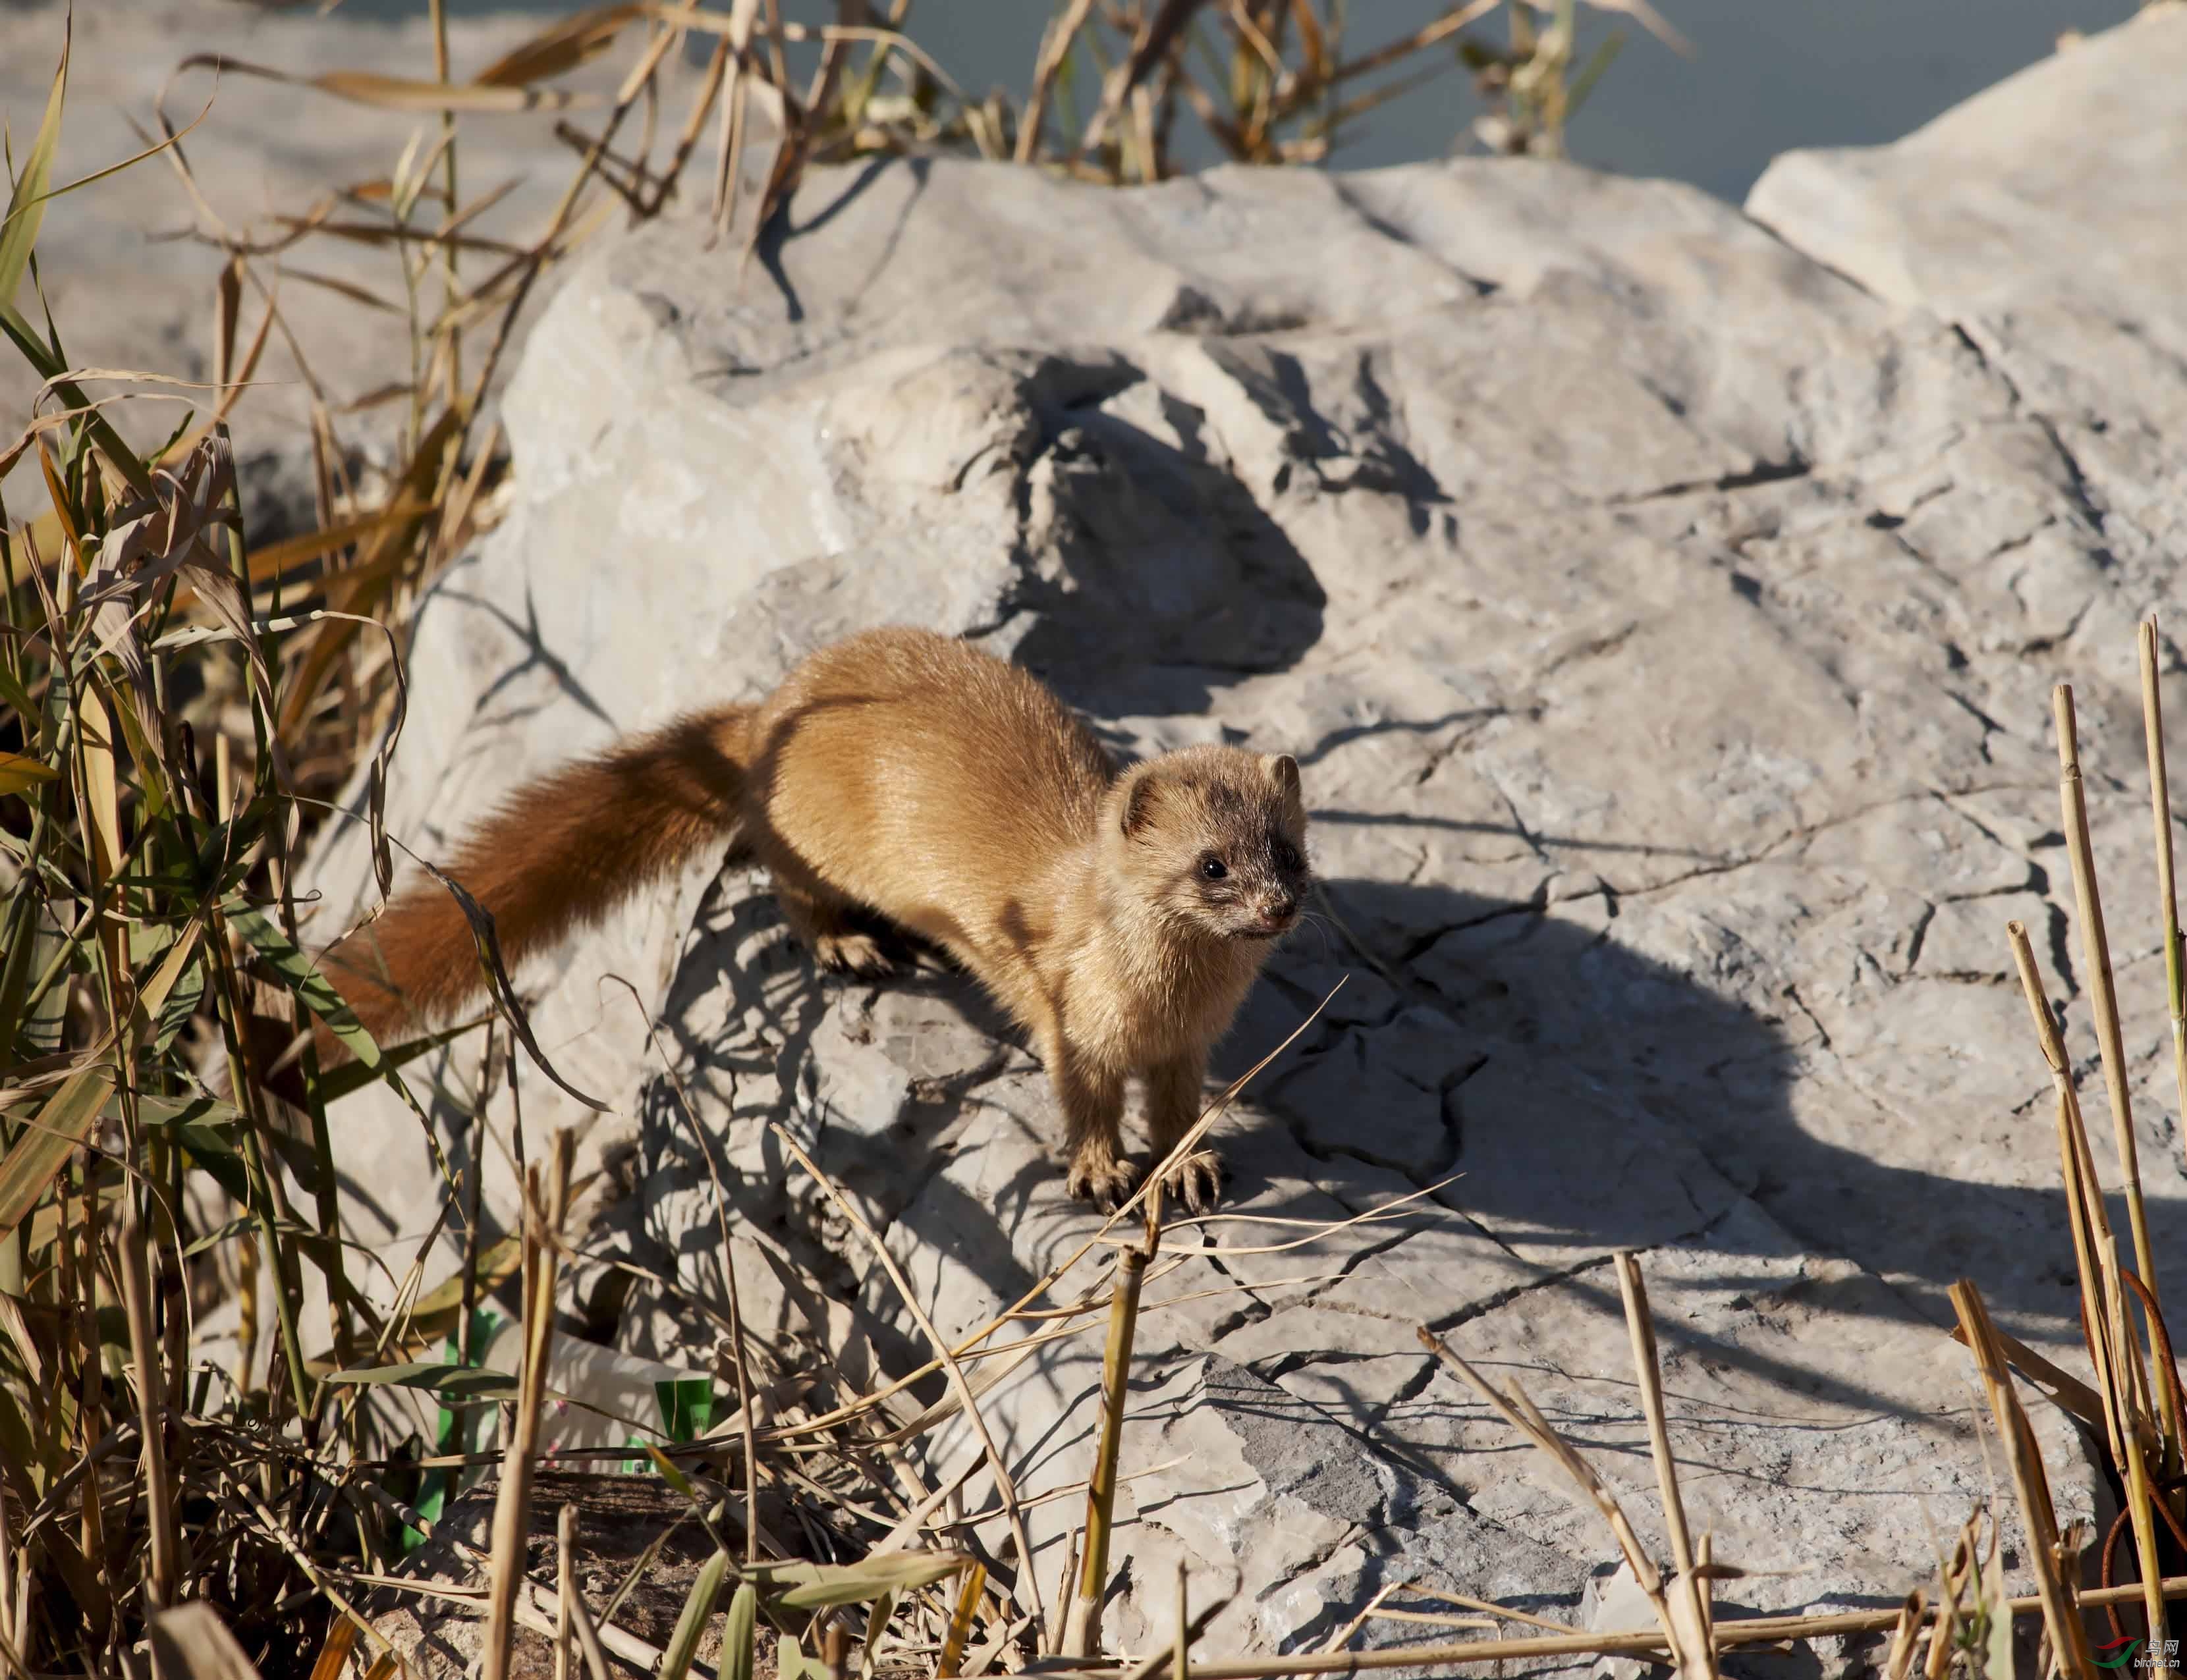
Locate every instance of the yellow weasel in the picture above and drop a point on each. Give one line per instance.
(1121, 918)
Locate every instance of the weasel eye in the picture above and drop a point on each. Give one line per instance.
(1212, 868)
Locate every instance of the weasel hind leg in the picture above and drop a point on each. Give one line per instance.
(826, 923)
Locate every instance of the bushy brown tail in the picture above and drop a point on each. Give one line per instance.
(560, 855)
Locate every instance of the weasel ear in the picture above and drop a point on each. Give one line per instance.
(1283, 770)
(1139, 801)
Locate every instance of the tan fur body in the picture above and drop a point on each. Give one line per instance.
(909, 775)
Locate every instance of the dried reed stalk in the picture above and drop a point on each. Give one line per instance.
(546, 1204)
(2175, 969)
(2111, 1345)
(151, 1420)
(565, 1586)
(2115, 1348)
(1759, 1631)
(1689, 1596)
(2084, 1209)
(1082, 1630)
(2102, 997)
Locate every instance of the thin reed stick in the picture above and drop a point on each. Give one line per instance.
(1687, 1598)
(2113, 1347)
(1520, 1413)
(1761, 1631)
(2160, 799)
(1005, 1485)
(2083, 1201)
(545, 1202)
(2060, 1617)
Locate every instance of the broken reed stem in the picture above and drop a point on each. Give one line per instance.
(151, 1396)
(451, 209)
(1052, 1635)
(545, 1203)
(1184, 1654)
(1081, 1631)
(1908, 1634)
(2068, 1637)
(565, 1587)
(1688, 1605)
(2102, 997)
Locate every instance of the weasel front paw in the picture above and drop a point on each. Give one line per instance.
(851, 953)
(1196, 1181)
(1103, 1180)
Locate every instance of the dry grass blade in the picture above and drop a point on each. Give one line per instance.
(574, 42)
(397, 92)
(19, 230)
(1687, 1598)
(2060, 1616)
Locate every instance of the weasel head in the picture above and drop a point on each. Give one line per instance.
(1213, 839)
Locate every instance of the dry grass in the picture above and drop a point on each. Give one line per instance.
(180, 702)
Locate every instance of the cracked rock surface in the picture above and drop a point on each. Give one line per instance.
(1662, 606)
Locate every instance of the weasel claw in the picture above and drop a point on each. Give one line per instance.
(1105, 1183)
(1196, 1181)
(851, 953)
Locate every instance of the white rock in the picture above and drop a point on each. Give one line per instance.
(1665, 624)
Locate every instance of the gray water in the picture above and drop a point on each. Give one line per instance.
(1764, 75)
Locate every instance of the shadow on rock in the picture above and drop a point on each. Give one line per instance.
(1593, 1099)
(1163, 579)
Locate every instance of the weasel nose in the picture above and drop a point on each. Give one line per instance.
(1279, 908)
